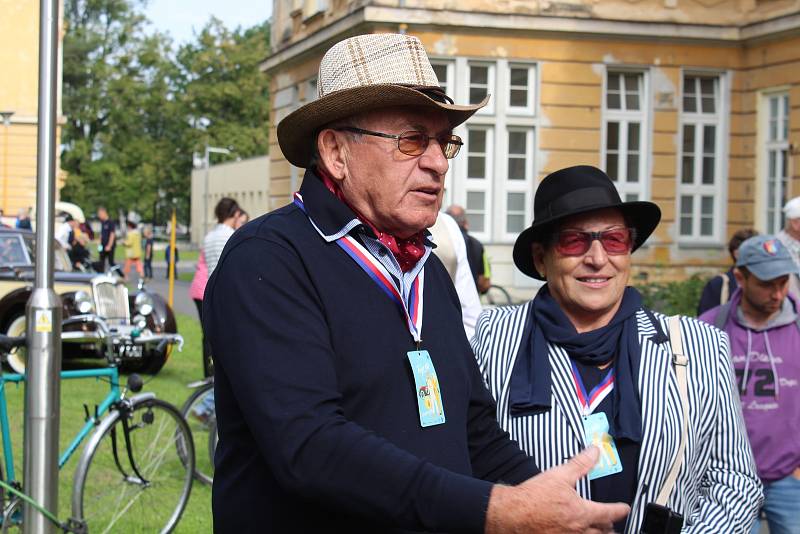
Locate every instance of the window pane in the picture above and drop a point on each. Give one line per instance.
(707, 206)
(707, 87)
(689, 104)
(687, 174)
(516, 202)
(688, 85)
(708, 105)
(475, 210)
(516, 168)
(476, 95)
(516, 142)
(612, 136)
(476, 140)
(709, 139)
(478, 75)
(475, 221)
(612, 101)
(633, 168)
(476, 167)
(688, 139)
(633, 136)
(613, 82)
(518, 98)
(515, 223)
(773, 129)
(772, 162)
(708, 170)
(706, 226)
(631, 197)
(519, 77)
(612, 167)
(687, 206)
(441, 75)
(785, 117)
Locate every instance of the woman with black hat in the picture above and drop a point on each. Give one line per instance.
(585, 363)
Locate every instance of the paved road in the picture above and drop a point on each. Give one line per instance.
(159, 284)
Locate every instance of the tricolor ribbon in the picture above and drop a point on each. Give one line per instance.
(378, 273)
(591, 400)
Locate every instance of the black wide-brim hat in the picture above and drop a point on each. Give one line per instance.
(573, 191)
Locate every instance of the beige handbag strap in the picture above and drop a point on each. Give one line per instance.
(725, 291)
(680, 361)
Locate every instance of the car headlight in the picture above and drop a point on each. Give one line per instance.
(83, 302)
(143, 304)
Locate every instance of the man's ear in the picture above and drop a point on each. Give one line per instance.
(332, 153)
(537, 251)
(739, 275)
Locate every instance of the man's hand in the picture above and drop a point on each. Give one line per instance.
(548, 502)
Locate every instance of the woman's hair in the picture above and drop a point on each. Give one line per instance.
(225, 209)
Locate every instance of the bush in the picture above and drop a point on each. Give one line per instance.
(672, 298)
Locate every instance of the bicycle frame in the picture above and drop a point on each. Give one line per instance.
(92, 420)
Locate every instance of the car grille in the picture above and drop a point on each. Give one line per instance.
(111, 301)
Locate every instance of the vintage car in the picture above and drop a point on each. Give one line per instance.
(85, 298)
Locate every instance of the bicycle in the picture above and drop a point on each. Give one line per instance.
(199, 413)
(136, 470)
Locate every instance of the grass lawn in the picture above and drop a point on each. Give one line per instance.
(169, 384)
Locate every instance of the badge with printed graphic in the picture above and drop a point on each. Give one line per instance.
(429, 396)
(595, 431)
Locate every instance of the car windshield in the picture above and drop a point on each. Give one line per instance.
(13, 252)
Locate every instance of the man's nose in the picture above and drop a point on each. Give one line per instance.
(433, 158)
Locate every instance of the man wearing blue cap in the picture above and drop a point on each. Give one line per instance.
(764, 328)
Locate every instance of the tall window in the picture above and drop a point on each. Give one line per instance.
(700, 183)
(777, 152)
(478, 182)
(625, 133)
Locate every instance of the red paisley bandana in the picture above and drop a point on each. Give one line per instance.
(407, 252)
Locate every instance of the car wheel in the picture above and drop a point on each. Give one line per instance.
(17, 358)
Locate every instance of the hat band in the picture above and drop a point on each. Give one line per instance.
(588, 197)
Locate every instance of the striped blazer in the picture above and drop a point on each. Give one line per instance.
(717, 489)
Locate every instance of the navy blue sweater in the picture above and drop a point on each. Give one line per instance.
(318, 422)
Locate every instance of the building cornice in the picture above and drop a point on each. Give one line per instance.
(536, 25)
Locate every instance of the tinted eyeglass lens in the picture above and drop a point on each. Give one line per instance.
(575, 243)
(415, 143)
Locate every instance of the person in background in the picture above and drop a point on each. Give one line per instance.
(451, 249)
(78, 240)
(167, 254)
(24, 219)
(241, 219)
(719, 289)
(227, 212)
(196, 291)
(133, 250)
(476, 255)
(586, 362)
(790, 237)
(63, 230)
(108, 239)
(148, 253)
(763, 325)
(341, 408)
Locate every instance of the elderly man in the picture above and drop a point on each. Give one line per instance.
(790, 237)
(339, 409)
(585, 362)
(763, 324)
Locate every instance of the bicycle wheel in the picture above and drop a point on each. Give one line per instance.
(198, 410)
(213, 438)
(109, 495)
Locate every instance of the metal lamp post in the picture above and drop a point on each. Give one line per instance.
(43, 387)
(206, 163)
(6, 115)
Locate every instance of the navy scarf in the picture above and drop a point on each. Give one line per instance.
(531, 383)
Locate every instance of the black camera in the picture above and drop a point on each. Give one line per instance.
(661, 520)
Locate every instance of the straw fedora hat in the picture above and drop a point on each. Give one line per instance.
(573, 191)
(361, 74)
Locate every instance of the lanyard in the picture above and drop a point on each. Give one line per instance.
(591, 400)
(412, 310)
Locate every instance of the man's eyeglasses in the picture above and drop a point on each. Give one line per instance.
(616, 241)
(415, 143)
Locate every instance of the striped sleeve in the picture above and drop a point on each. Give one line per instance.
(730, 492)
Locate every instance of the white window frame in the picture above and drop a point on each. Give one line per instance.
(624, 117)
(449, 181)
(529, 108)
(483, 185)
(718, 190)
(497, 186)
(775, 146)
(491, 84)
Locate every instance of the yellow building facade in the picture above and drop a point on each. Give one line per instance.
(692, 104)
(19, 59)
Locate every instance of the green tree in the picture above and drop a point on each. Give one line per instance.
(136, 111)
